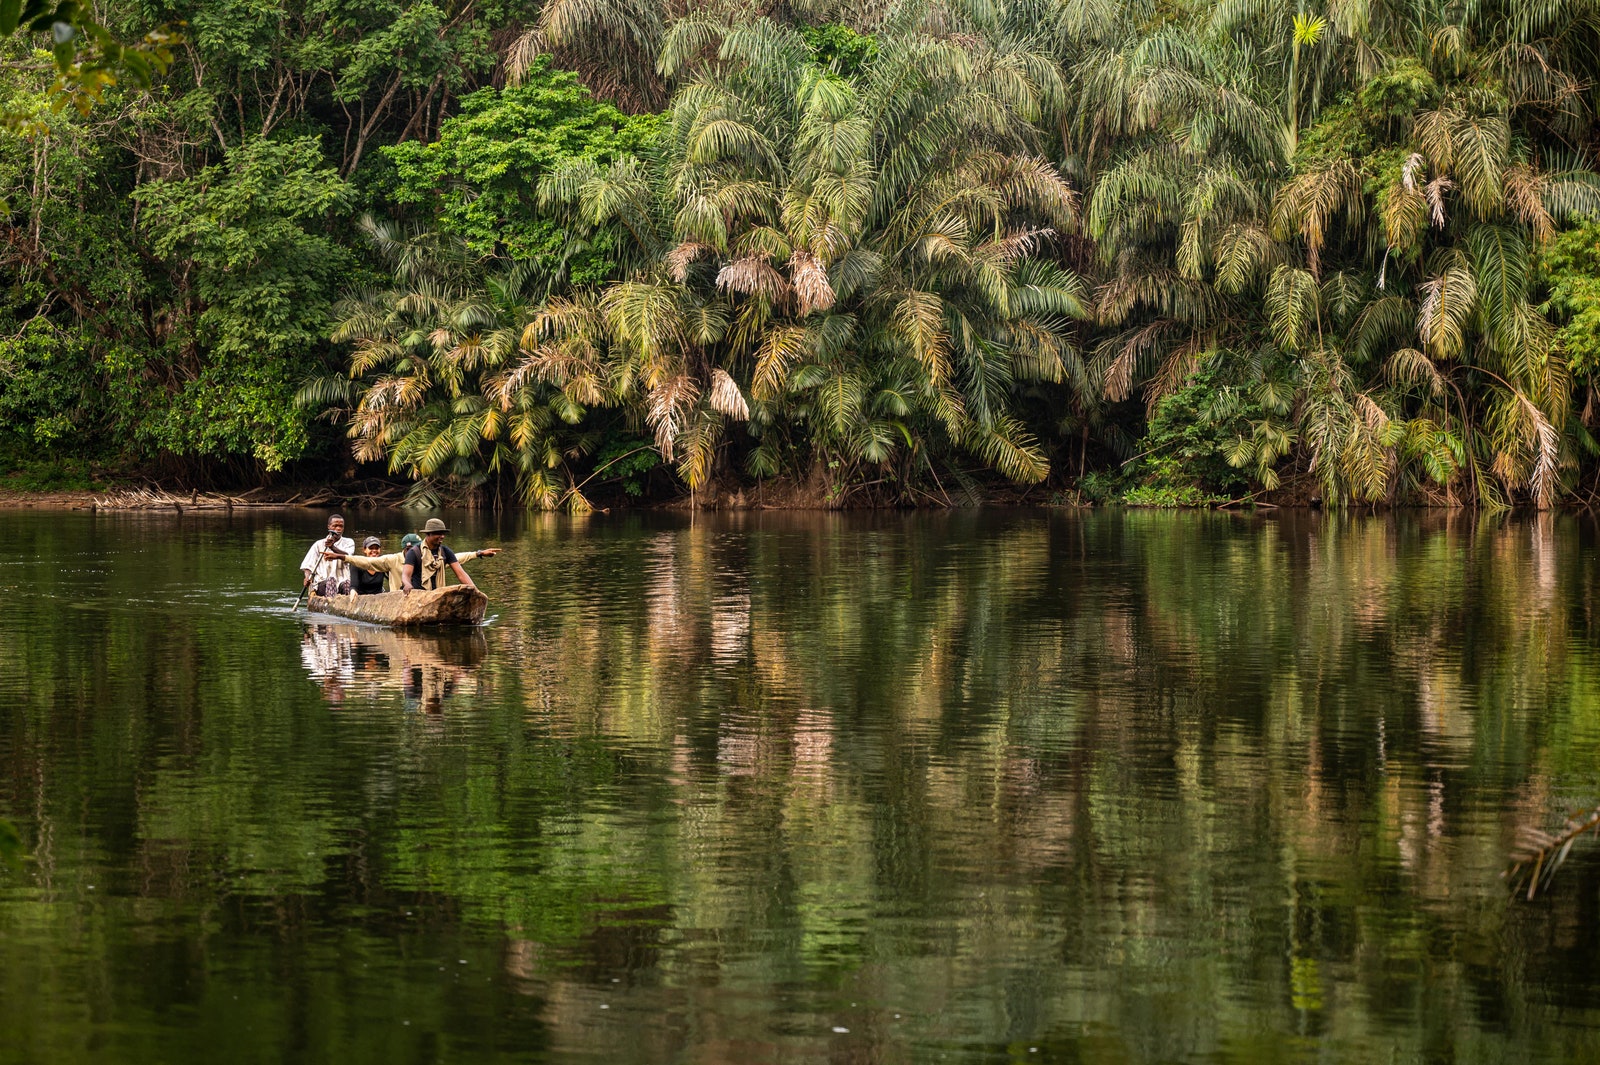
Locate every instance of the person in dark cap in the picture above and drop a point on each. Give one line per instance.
(425, 563)
(364, 581)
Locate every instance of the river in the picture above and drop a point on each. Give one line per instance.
(977, 786)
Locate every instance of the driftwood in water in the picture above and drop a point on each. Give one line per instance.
(358, 494)
(458, 605)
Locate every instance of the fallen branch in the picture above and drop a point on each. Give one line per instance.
(1539, 854)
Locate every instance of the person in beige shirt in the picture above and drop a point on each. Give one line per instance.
(373, 568)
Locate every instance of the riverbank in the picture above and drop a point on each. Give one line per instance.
(148, 498)
(796, 494)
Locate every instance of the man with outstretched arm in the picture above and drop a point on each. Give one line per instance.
(425, 563)
(329, 576)
(376, 572)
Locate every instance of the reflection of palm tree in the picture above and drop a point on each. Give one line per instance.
(1034, 674)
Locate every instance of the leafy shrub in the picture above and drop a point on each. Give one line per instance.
(45, 397)
(1402, 88)
(1186, 445)
(627, 460)
(840, 48)
(1569, 268)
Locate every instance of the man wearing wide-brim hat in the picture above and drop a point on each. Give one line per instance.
(425, 562)
(372, 571)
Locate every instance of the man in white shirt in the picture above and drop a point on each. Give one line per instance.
(329, 576)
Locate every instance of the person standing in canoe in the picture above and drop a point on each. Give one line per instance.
(329, 576)
(375, 572)
(424, 563)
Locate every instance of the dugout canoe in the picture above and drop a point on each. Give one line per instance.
(456, 605)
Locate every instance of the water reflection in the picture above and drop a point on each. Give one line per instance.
(1119, 786)
(427, 668)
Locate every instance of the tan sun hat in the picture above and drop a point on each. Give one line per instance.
(434, 525)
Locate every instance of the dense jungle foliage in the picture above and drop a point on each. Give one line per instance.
(1165, 252)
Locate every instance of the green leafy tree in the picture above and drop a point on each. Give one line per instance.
(479, 180)
(192, 267)
(253, 299)
(85, 57)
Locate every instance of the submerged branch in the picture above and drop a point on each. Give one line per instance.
(1538, 854)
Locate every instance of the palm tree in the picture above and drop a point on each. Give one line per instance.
(1365, 279)
(855, 265)
(424, 390)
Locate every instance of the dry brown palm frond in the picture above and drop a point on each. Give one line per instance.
(1542, 482)
(395, 393)
(726, 398)
(697, 446)
(502, 388)
(1435, 196)
(1179, 365)
(1525, 196)
(753, 275)
(579, 378)
(1017, 244)
(522, 54)
(679, 258)
(1122, 368)
(1414, 165)
(810, 282)
(670, 408)
(1372, 416)
(367, 449)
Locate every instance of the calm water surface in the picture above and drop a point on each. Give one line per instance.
(973, 787)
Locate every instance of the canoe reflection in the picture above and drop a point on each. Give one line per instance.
(427, 668)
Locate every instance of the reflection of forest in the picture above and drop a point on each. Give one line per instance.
(1257, 769)
(427, 668)
(1131, 787)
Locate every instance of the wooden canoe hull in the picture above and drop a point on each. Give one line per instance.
(457, 605)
